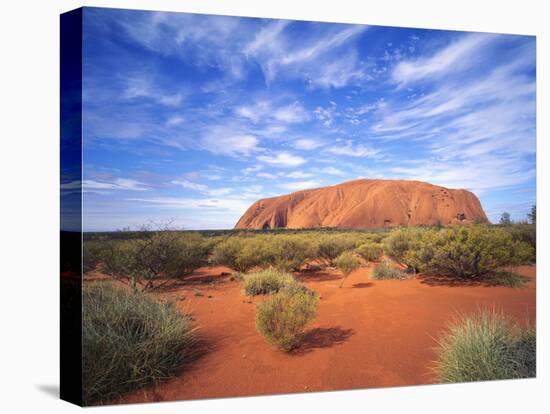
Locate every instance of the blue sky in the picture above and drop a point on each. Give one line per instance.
(191, 118)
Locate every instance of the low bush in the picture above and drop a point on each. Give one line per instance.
(266, 282)
(290, 252)
(465, 252)
(486, 346)
(370, 251)
(526, 233)
(397, 244)
(329, 247)
(154, 255)
(129, 341)
(346, 262)
(284, 252)
(92, 253)
(386, 270)
(282, 318)
(227, 252)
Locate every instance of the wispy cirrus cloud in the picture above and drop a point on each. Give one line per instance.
(307, 143)
(453, 58)
(300, 185)
(282, 159)
(350, 149)
(318, 60)
(230, 139)
(267, 111)
(115, 184)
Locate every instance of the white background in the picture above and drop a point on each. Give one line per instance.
(29, 177)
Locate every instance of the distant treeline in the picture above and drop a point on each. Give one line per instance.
(133, 234)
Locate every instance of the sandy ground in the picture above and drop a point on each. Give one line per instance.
(367, 334)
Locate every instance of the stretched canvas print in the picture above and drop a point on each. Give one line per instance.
(253, 206)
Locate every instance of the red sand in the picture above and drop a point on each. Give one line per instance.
(367, 334)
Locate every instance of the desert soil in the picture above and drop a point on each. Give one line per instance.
(367, 334)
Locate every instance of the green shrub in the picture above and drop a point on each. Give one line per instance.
(526, 233)
(266, 281)
(386, 270)
(154, 255)
(290, 252)
(282, 318)
(466, 252)
(346, 263)
(370, 251)
(486, 346)
(227, 252)
(170, 254)
(284, 252)
(119, 258)
(129, 341)
(397, 244)
(92, 253)
(329, 247)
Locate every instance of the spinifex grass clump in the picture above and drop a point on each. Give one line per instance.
(386, 270)
(508, 279)
(266, 281)
(281, 318)
(346, 263)
(486, 346)
(129, 341)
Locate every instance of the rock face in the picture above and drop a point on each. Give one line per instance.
(365, 204)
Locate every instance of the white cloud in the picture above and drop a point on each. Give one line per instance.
(267, 37)
(348, 149)
(333, 171)
(253, 169)
(190, 185)
(299, 185)
(141, 86)
(216, 192)
(298, 174)
(226, 140)
(326, 115)
(483, 174)
(174, 120)
(307, 143)
(326, 58)
(266, 111)
(452, 58)
(224, 204)
(204, 189)
(116, 184)
(266, 175)
(282, 159)
(479, 134)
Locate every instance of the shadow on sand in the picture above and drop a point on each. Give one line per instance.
(491, 280)
(362, 285)
(318, 338)
(317, 276)
(197, 279)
